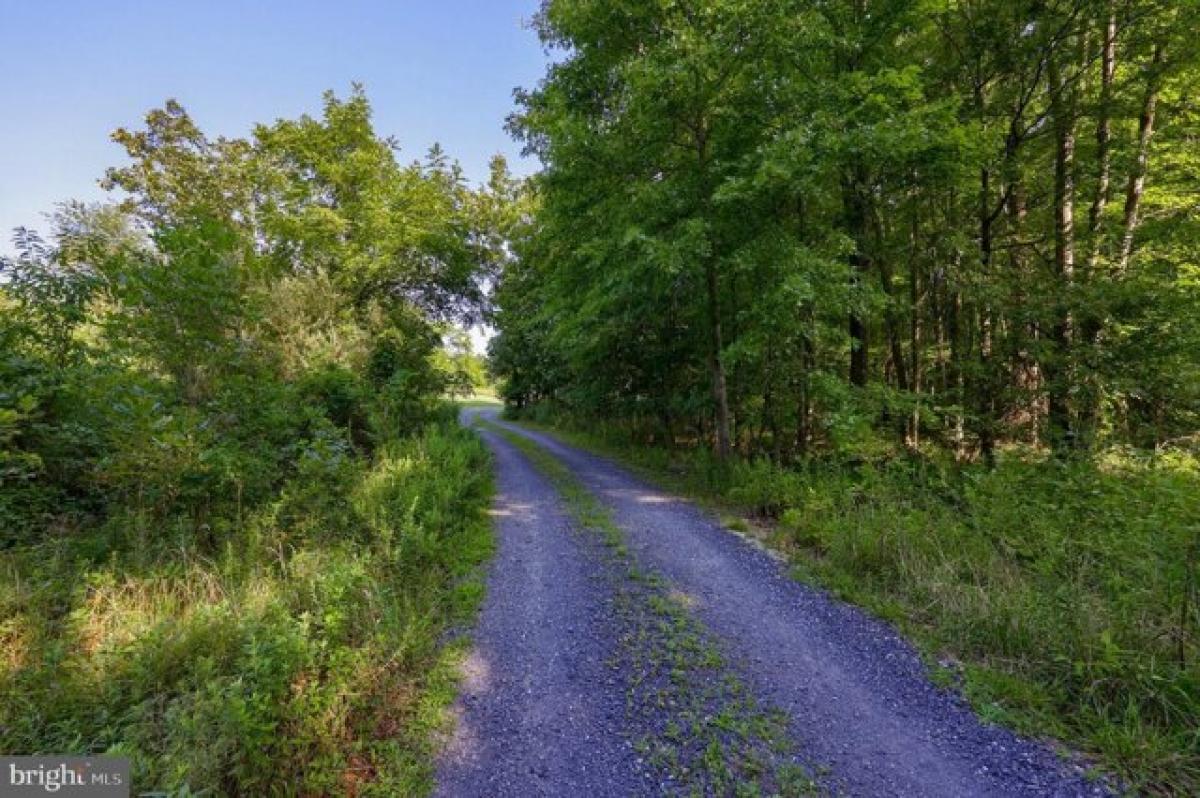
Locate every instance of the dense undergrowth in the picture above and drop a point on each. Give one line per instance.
(1060, 595)
(299, 655)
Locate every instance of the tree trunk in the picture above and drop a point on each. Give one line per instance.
(715, 345)
(984, 390)
(958, 356)
(914, 342)
(891, 316)
(715, 341)
(1137, 176)
(1108, 62)
(1063, 111)
(804, 405)
(1088, 419)
(860, 265)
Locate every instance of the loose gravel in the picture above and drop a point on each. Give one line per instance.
(540, 710)
(857, 696)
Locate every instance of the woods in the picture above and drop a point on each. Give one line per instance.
(969, 224)
(907, 293)
(915, 285)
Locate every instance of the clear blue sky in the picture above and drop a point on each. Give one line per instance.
(71, 71)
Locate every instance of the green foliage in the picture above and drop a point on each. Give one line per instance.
(1084, 590)
(464, 371)
(340, 394)
(333, 196)
(291, 658)
(235, 519)
(177, 308)
(788, 228)
(900, 277)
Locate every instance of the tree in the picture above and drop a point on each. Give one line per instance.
(880, 215)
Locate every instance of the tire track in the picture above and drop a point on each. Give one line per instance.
(540, 711)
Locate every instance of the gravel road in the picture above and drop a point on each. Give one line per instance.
(540, 710)
(541, 715)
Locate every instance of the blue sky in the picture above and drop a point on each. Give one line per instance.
(71, 71)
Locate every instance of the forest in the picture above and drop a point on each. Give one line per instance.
(907, 292)
(915, 284)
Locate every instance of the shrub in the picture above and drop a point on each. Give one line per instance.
(341, 396)
(299, 653)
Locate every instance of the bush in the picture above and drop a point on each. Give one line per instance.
(1077, 579)
(201, 563)
(341, 396)
(304, 652)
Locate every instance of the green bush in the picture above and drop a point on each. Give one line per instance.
(341, 396)
(293, 657)
(234, 522)
(1079, 579)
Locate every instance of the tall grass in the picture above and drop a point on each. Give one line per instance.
(302, 657)
(1061, 596)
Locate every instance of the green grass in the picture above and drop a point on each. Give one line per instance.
(302, 657)
(477, 400)
(718, 740)
(1060, 597)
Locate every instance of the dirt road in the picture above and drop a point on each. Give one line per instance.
(545, 707)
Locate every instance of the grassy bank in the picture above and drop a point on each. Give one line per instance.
(300, 656)
(1061, 597)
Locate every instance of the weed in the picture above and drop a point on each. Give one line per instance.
(304, 654)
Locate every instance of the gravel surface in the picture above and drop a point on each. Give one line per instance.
(858, 698)
(540, 709)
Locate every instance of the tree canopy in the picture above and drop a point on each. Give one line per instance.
(794, 227)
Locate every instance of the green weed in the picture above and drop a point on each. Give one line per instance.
(302, 657)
